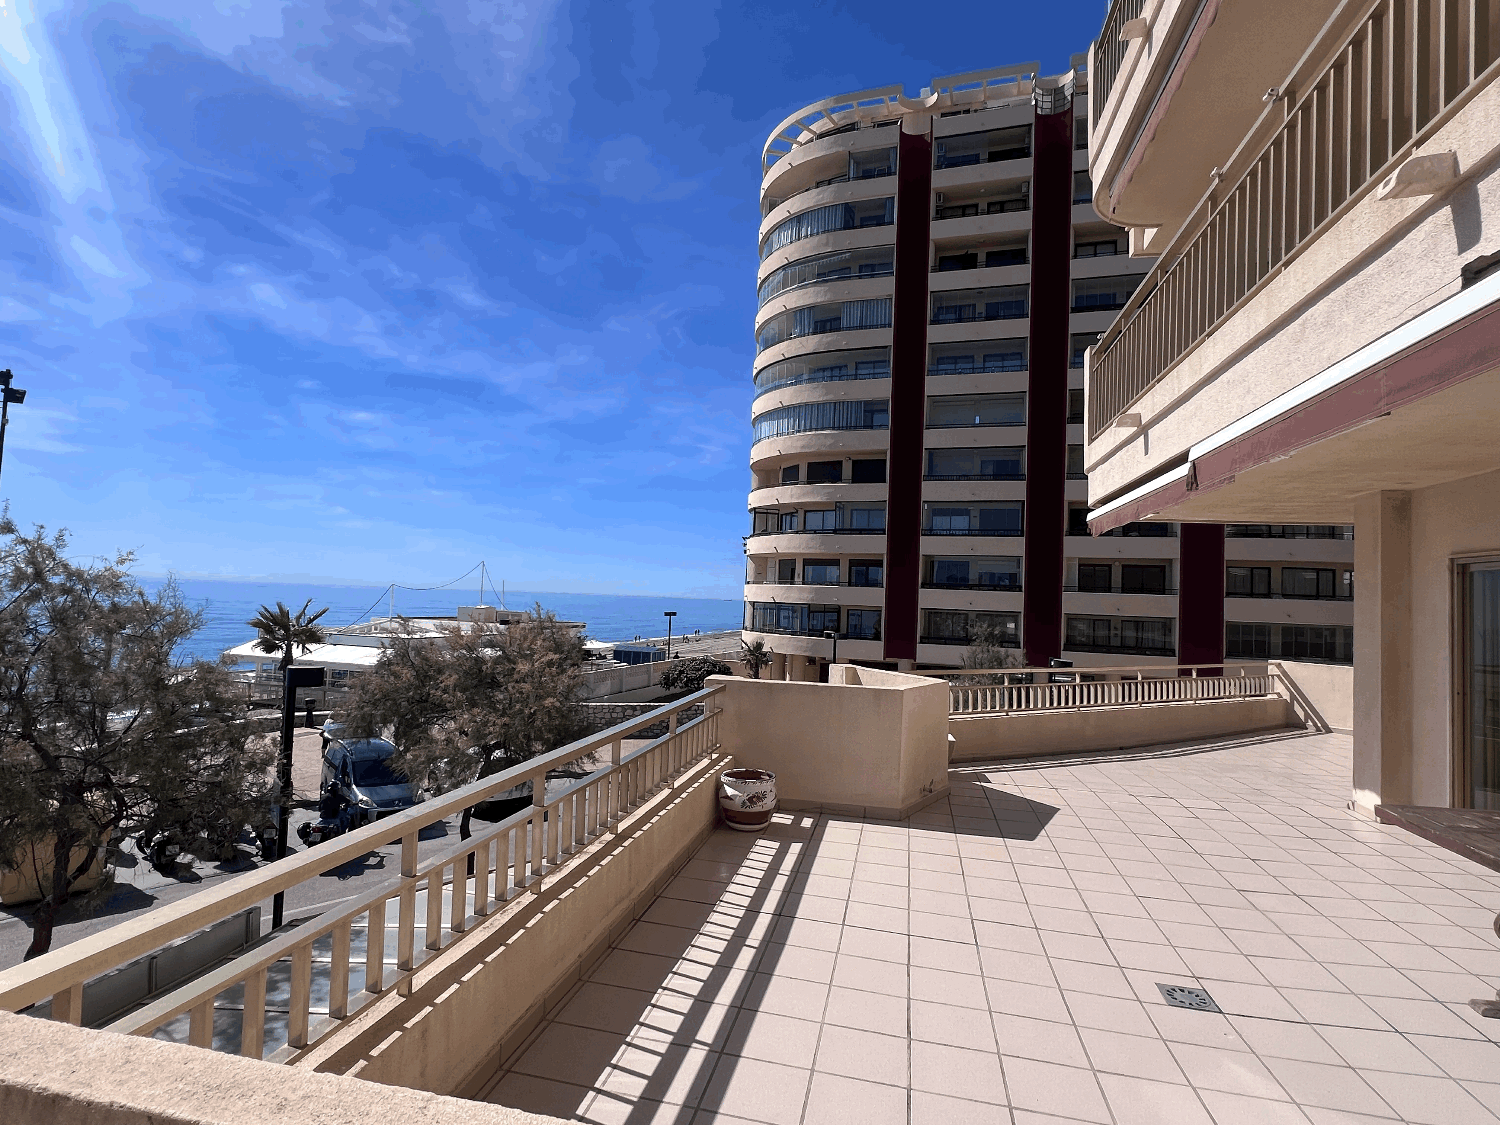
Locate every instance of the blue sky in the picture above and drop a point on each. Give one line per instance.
(369, 291)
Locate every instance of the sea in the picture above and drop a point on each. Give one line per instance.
(228, 605)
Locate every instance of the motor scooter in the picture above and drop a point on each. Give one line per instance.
(335, 817)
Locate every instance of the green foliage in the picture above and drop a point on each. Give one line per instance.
(991, 645)
(756, 656)
(689, 674)
(473, 702)
(102, 731)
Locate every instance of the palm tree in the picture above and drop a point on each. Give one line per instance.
(755, 656)
(284, 632)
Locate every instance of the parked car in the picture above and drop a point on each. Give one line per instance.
(358, 772)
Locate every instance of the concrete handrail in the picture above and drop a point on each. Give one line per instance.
(1131, 687)
(525, 847)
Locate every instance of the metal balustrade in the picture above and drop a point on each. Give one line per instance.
(1127, 686)
(462, 886)
(1109, 53)
(1397, 78)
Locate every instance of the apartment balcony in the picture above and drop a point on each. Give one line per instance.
(1009, 939)
(1174, 86)
(1312, 319)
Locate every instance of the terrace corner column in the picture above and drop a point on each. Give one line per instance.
(1383, 657)
(1200, 598)
(1047, 385)
(909, 316)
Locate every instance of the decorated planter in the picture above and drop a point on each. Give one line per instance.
(748, 798)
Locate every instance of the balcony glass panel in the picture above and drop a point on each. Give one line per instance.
(957, 627)
(1139, 636)
(1003, 462)
(962, 305)
(976, 410)
(984, 518)
(822, 220)
(974, 573)
(820, 572)
(862, 625)
(866, 572)
(823, 367)
(1288, 531)
(874, 261)
(983, 148)
(1093, 294)
(816, 320)
(982, 356)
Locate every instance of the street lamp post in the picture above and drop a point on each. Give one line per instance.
(830, 635)
(669, 614)
(11, 395)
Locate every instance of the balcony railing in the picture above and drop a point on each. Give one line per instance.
(1109, 53)
(1014, 531)
(1293, 597)
(971, 476)
(821, 531)
(508, 860)
(1117, 687)
(1398, 77)
(992, 587)
(929, 639)
(1117, 588)
(1288, 531)
(1119, 650)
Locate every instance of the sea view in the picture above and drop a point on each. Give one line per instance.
(228, 605)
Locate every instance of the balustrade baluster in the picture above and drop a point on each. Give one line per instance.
(435, 908)
(338, 972)
(201, 1023)
(406, 909)
(375, 949)
(300, 996)
(253, 1022)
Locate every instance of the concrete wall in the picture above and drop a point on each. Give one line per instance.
(983, 738)
(871, 741)
(518, 965)
(56, 1074)
(1328, 688)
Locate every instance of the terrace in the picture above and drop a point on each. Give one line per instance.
(941, 925)
(1001, 956)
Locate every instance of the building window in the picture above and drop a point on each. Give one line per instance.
(821, 220)
(818, 519)
(1082, 342)
(790, 474)
(863, 518)
(820, 572)
(1083, 188)
(976, 410)
(974, 573)
(863, 624)
(1094, 578)
(822, 618)
(1096, 294)
(995, 518)
(1136, 578)
(1075, 462)
(1075, 406)
(1479, 684)
(867, 471)
(786, 571)
(825, 472)
(1247, 581)
(1106, 249)
(1306, 582)
(1006, 462)
(1008, 256)
(1078, 519)
(866, 572)
(810, 417)
(1247, 640)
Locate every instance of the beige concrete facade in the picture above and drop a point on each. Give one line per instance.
(776, 583)
(870, 741)
(1348, 372)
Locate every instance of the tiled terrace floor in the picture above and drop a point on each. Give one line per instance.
(996, 959)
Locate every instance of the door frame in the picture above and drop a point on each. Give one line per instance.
(1462, 789)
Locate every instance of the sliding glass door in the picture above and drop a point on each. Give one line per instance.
(1479, 671)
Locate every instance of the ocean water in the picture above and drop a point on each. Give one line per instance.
(228, 606)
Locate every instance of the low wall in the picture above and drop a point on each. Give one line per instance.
(870, 742)
(602, 716)
(470, 1009)
(56, 1074)
(1328, 689)
(983, 738)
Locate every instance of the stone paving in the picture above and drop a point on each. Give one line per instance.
(998, 957)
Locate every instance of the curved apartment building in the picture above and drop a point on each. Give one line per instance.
(931, 273)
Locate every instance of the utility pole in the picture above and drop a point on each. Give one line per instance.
(11, 395)
(669, 614)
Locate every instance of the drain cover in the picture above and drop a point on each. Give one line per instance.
(1180, 996)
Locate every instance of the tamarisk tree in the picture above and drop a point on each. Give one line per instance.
(103, 732)
(473, 702)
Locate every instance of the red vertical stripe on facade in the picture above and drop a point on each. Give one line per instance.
(1047, 388)
(1200, 599)
(909, 316)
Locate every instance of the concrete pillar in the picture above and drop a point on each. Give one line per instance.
(1382, 650)
(778, 666)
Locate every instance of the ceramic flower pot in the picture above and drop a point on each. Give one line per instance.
(748, 798)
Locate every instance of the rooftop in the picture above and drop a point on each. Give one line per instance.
(999, 957)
